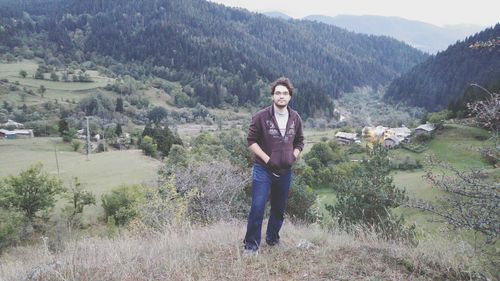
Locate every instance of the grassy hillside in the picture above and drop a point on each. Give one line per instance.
(55, 89)
(102, 173)
(214, 253)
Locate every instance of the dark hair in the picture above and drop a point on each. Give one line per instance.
(283, 81)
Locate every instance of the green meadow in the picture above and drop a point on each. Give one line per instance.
(100, 174)
(54, 89)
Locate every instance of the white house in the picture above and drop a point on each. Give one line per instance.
(12, 123)
(425, 129)
(392, 141)
(16, 134)
(346, 138)
(402, 132)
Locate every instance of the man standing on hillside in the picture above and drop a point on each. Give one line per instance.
(276, 140)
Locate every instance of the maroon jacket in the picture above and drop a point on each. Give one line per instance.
(265, 132)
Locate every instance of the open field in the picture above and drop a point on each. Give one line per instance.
(11, 71)
(102, 173)
(55, 90)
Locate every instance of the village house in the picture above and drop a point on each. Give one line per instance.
(15, 134)
(402, 132)
(389, 137)
(372, 132)
(426, 129)
(12, 124)
(346, 138)
(392, 141)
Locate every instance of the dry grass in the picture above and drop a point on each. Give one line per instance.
(214, 252)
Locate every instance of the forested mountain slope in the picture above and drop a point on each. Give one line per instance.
(226, 55)
(445, 78)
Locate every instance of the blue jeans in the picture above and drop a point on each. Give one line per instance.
(265, 183)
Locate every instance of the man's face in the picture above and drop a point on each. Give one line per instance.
(281, 96)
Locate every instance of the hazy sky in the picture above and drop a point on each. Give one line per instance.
(438, 12)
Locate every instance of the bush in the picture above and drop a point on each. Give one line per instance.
(368, 193)
(75, 144)
(69, 135)
(102, 147)
(122, 203)
(164, 206)
(219, 188)
(423, 138)
(406, 164)
(31, 192)
(300, 200)
(148, 146)
(11, 225)
(43, 128)
(491, 156)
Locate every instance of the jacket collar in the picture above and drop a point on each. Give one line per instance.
(270, 110)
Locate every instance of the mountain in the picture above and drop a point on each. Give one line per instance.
(224, 55)
(278, 15)
(445, 77)
(424, 36)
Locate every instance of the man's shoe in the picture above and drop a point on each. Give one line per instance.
(276, 244)
(250, 252)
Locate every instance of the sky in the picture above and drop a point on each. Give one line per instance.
(437, 12)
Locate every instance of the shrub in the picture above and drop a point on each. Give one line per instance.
(163, 206)
(30, 192)
(102, 147)
(219, 189)
(423, 138)
(491, 156)
(368, 193)
(121, 204)
(69, 135)
(300, 200)
(148, 146)
(11, 225)
(75, 144)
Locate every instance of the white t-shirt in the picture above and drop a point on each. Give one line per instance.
(282, 119)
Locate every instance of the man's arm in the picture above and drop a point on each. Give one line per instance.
(255, 148)
(298, 142)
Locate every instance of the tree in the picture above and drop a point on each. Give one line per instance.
(148, 146)
(119, 105)
(157, 114)
(178, 156)
(31, 191)
(63, 126)
(118, 130)
(23, 73)
(200, 111)
(487, 114)
(122, 203)
(39, 74)
(163, 138)
(78, 199)
(367, 195)
(471, 202)
(41, 90)
(324, 154)
(54, 76)
(11, 225)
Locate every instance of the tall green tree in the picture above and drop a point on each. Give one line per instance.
(157, 114)
(31, 191)
(368, 194)
(119, 105)
(23, 73)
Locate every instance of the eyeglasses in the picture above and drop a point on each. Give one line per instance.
(281, 93)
